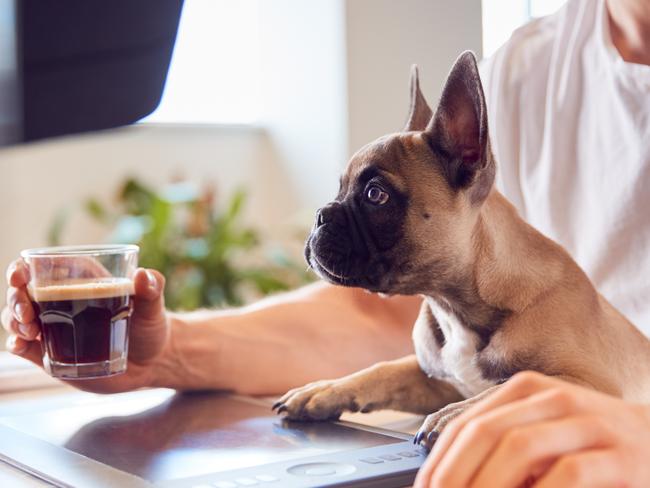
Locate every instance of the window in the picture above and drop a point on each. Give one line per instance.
(502, 17)
(214, 75)
(214, 72)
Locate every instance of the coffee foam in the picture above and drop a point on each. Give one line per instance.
(82, 289)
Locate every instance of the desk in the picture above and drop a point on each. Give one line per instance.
(10, 476)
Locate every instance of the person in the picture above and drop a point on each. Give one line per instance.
(569, 112)
(568, 108)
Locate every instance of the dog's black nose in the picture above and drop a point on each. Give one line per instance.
(320, 218)
(324, 215)
(328, 214)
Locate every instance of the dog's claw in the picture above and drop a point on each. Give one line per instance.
(281, 408)
(276, 405)
(432, 437)
(426, 438)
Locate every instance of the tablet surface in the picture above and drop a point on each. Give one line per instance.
(203, 439)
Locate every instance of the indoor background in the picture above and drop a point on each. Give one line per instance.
(269, 97)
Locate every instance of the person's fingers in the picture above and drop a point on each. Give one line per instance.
(523, 449)
(520, 386)
(30, 350)
(56, 268)
(17, 274)
(7, 319)
(27, 331)
(60, 268)
(481, 435)
(19, 303)
(11, 297)
(593, 469)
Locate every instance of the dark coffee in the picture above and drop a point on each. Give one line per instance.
(84, 322)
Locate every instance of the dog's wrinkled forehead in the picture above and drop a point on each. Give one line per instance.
(385, 155)
(400, 157)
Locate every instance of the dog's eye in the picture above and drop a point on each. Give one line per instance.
(376, 195)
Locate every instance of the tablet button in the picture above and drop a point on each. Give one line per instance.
(247, 481)
(390, 457)
(266, 478)
(322, 469)
(371, 460)
(408, 454)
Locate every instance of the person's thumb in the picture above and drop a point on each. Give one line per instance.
(149, 330)
(149, 309)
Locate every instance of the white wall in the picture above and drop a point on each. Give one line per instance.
(335, 77)
(304, 92)
(384, 38)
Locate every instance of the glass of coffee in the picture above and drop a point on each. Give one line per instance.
(83, 298)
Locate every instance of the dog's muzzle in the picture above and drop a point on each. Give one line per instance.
(337, 251)
(329, 248)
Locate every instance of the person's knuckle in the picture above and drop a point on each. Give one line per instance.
(526, 380)
(10, 271)
(9, 342)
(16, 274)
(564, 398)
(4, 314)
(6, 319)
(517, 441)
(479, 428)
(12, 296)
(10, 324)
(453, 428)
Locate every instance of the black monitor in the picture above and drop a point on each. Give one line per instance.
(71, 66)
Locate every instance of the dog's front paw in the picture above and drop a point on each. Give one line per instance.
(434, 424)
(321, 400)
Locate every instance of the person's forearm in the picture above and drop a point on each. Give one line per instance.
(317, 332)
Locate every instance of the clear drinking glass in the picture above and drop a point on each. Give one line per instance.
(83, 298)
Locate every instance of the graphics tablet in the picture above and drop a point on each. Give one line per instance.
(164, 439)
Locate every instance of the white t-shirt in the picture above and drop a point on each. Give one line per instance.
(570, 126)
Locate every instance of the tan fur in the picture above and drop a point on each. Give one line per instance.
(387, 385)
(500, 297)
(560, 317)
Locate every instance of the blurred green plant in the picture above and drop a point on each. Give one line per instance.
(197, 249)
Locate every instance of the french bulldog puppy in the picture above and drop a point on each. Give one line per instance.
(417, 213)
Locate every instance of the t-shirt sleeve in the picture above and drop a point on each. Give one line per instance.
(514, 84)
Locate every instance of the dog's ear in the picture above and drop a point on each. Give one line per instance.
(419, 111)
(458, 133)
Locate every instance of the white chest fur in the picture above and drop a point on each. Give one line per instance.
(455, 361)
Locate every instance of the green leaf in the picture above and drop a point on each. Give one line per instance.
(136, 197)
(96, 210)
(235, 205)
(201, 271)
